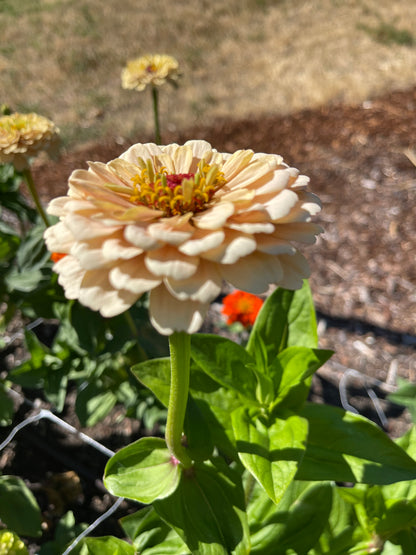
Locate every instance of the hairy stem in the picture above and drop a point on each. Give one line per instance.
(180, 347)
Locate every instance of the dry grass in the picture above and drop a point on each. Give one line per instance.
(63, 58)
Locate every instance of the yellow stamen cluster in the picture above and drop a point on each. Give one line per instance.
(176, 194)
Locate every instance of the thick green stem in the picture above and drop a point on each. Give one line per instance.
(155, 97)
(180, 353)
(27, 174)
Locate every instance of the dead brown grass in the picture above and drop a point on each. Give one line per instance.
(63, 58)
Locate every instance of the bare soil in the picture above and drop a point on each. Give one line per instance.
(363, 267)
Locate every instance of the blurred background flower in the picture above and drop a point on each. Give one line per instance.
(242, 307)
(23, 136)
(152, 69)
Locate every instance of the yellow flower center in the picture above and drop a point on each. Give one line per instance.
(178, 193)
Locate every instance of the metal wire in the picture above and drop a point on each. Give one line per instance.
(47, 414)
(94, 525)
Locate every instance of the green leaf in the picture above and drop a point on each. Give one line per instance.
(408, 442)
(93, 403)
(225, 362)
(406, 539)
(66, 530)
(271, 451)
(407, 489)
(296, 524)
(215, 408)
(286, 319)
(215, 404)
(405, 395)
(345, 447)
(197, 431)
(207, 511)
(399, 515)
(106, 545)
(151, 535)
(155, 375)
(11, 544)
(290, 372)
(143, 471)
(341, 532)
(9, 243)
(18, 507)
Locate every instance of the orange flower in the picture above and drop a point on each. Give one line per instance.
(241, 307)
(56, 256)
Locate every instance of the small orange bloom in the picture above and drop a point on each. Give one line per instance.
(241, 307)
(56, 256)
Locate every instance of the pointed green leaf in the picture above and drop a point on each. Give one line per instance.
(207, 511)
(270, 451)
(197, 431)
(345, 447)
(406, 539)
(155, 375)
(290, 372)
(405, 395)
(399, 515)
(93, 403)
(151, 535)
(144, 471)
(216, 408)
(407, 489)
(297, 525)
(19, 509)
(106, 545)
(225, 362)
(287, 318)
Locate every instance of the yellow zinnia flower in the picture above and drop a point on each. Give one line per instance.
(152, 69)
(22, 136)
(177, 221)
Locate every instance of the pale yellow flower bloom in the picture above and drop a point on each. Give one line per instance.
(152, 69)
(177, 221)
(23, 136)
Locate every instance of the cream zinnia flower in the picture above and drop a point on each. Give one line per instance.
(25, 135)
(152, 69)
(177, 221)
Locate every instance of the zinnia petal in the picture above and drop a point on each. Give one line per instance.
(176, 220)
(168, 314)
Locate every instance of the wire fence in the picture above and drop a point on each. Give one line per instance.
(48, 415)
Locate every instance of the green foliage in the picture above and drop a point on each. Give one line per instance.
(265, 460)
(66, 530)
(10, 543)
(106, 545)
(19, 510)
(264, 471)
(143, 471)
(207, 510)
(405, 395)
